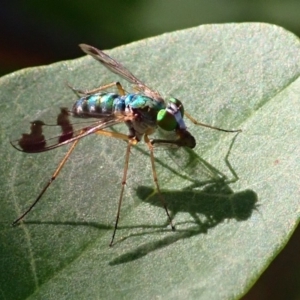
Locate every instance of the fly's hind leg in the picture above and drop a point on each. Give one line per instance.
(53, 177)
(79, 92)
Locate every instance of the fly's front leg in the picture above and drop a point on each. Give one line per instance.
(184, 139)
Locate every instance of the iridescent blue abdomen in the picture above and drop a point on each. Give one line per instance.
(97, 105)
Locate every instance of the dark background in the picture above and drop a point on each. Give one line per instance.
(35, 32)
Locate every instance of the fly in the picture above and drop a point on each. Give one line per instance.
(142, 112)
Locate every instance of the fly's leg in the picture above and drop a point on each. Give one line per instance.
(53, 177)
(131, 142)
(129, 145)
(78, 92)
(208, 126)
(117, 135)
(161, 198)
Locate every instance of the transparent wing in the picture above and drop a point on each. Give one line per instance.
(44, 136)
(120, 70)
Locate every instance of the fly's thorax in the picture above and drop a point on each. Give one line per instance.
(171, 117)
(97, 104)
(139, 101)
(143, 111)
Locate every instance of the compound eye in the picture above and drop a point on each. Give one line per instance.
(166, 120)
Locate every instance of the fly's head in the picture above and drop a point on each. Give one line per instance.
(171, 119)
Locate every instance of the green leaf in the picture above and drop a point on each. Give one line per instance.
(231, 76)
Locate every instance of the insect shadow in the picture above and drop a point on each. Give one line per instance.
(209, 201)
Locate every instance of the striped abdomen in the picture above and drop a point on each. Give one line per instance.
(97, 105)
